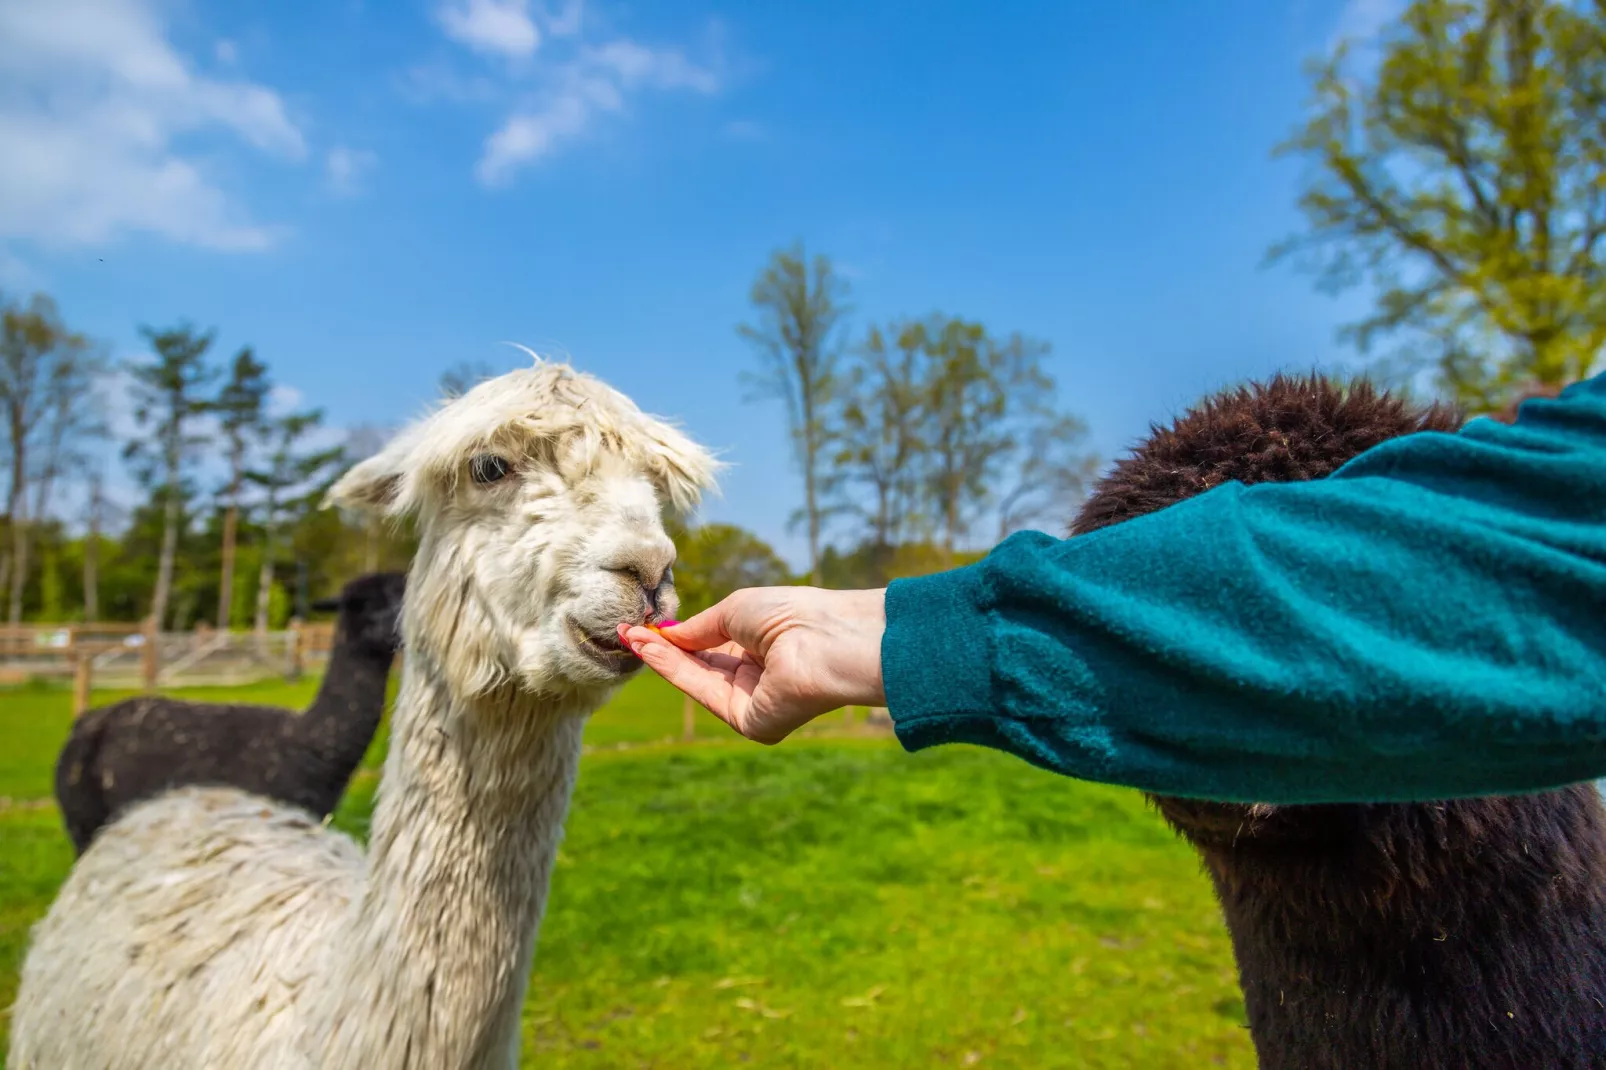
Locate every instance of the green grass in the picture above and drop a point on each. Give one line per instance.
(830, 903)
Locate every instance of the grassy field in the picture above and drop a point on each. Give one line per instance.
(831, 903)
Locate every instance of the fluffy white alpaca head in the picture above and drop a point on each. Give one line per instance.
(538, 497)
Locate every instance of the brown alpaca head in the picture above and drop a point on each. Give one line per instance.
(1289, 429)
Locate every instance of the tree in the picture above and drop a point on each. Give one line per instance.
(46, 373)
(1053, 475)
(462, 377)
(240, 410)
(977, 391)
(95, 513)
(292, 480)
(169, 395)
(800, 304)
(362, 442)
(880, 433)
(1465, 181)
(716, 559)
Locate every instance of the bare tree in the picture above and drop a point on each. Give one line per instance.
(239, 407)
(880, 436)
(977, 391)
(292, 479)
(94, 516)
(362, 442)
(1053, 473)
(46, 373)
(169, 395)
(462, 377)
(800, 304)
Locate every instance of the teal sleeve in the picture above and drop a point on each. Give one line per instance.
(1429, 622)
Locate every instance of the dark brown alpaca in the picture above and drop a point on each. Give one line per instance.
(1460, 934)
(121, 754)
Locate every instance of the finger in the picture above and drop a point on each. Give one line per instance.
(706, 684)
(707, 629)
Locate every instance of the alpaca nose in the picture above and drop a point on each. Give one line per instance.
(654, 596)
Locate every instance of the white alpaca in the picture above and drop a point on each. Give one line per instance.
(210, 928)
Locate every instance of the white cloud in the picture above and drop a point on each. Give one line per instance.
(528, 136)
(346, 167)
(226, 52)
(495, 27)
(93, 99)
(580, 77)
(666, 68)
(598, 81)
(567, 22)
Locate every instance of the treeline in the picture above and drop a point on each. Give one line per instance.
(919, 441)
(227, 528)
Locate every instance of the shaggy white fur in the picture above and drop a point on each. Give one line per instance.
(212, 928)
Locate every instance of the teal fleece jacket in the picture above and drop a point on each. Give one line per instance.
(1428, 622)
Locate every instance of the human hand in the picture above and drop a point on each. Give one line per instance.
(767, 660)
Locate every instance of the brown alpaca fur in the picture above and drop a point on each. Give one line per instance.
(1508, 415)
(1460, 934)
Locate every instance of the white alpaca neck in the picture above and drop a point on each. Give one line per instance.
(466, 827)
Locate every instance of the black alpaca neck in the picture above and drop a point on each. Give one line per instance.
(1466, 934)
(338, 726)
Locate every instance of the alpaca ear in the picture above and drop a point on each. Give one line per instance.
(685, 468)
(371, 486)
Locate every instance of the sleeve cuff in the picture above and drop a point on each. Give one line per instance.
(939, 620)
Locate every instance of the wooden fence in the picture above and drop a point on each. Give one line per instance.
(138, 657)
(135, 657)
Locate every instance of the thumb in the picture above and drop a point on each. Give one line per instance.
(706, 630)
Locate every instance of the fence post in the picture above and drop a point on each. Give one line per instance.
(688, 719)
(293, 653)
(150, 656)
(83, 671)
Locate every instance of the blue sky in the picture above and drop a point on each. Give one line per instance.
(370, 192)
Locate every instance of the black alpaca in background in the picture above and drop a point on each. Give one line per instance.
(1460, 934)
(138, 748)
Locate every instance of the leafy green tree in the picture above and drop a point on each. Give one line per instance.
(291, 481)
(169, 398)
(800, 303)
(240, 408)
(1465, 182)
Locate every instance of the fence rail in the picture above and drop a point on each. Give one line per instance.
(136, 656)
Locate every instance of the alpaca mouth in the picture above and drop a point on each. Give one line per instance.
(605, 650)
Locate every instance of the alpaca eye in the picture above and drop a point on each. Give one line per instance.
(487, 468)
